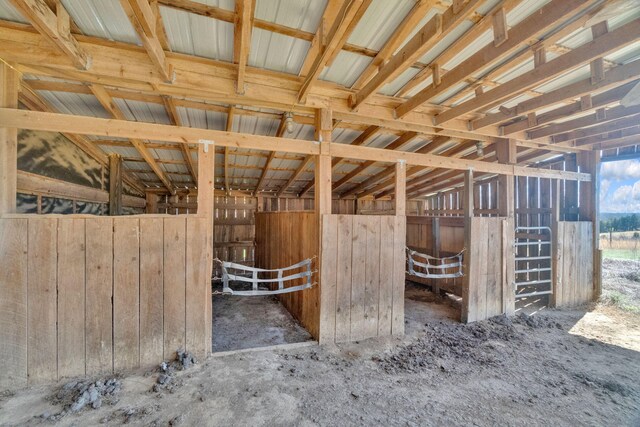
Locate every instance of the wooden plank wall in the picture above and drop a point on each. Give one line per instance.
(102, 294)
(573, 264)
(283, 239)
(488, 289)
(363, 268)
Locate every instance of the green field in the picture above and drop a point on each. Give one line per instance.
(621, 254)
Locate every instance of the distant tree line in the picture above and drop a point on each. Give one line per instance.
(623, 223)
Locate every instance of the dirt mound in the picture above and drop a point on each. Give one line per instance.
(77, 395)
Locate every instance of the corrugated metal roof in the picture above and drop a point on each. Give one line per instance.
(102, 18)
(379, 22)
(9, 13)
(198, 35)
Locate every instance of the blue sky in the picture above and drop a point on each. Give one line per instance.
(620, 186)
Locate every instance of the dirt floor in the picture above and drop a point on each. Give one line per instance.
(249, 322)
(573, 367)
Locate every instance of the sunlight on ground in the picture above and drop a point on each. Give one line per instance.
(610, 326)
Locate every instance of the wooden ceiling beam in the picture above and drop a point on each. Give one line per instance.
(174, 117)
(127, 129)
(597, 101)
(55, 26)
(607, 43)
(143, 20)
(614, 77)
(394, 145)
(34, 102)
(457, 46)
(367, 134)
(530, 28)
(433, 31)
(110, 106)
(408, 24)
(242, 39)
(343, 25)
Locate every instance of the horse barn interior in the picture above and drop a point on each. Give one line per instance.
(159, 155)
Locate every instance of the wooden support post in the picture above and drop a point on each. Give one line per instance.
(9, 86)
(468, 216)
(152, 203)
(324, 126)
(556, 241)
(206, 173)
(115, 184)
(401, 188)
(506, 153)
(588, 211)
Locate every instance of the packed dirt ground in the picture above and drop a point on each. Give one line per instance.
(558, 367)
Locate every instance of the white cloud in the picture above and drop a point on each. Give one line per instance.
(624, 169)
(622, 194)
(625, 199)
(605, 184)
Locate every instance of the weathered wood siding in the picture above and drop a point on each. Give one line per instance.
(89, 295)
(489, 269)
(362, 277)
(284, 239)
(573, 277)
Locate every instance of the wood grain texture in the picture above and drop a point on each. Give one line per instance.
(71, 297)
(13, 304)
(174, 285)
(151, 290)
(126, 294)
(99, 293)
(197, 287)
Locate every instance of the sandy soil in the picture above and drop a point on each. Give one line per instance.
(578, 367)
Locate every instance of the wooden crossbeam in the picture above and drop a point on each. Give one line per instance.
(582, 55)
(343, 25)
(456, 47)
(613, 77)
(56, 27)
(367, 134)
(530, 28)
(398, 37)
(125, 129)
(303, 166)
(242, 39)
(34, 102)
(110, 106)
(394, 145)
(174, 117)
(143, 19)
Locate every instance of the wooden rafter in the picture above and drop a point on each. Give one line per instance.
(343, 24)
(34, 102)
(174, 117)
(110, 106)
(582, 55)
(56, 27)
(242, 39)
(144, 21)
(394, 145)
(367, 134)
(438, 27)
(530, 28)
(398, 37)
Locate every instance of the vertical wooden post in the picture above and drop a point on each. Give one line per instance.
(152, 203)
(206, 170)
(506, 153)
(401, 188)
(115, 184)
(322, 196)
(556, 241)
(468, 217)
(589, 162)
(9, 86)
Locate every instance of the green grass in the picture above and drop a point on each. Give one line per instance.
(617, 299)
(621, 254)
